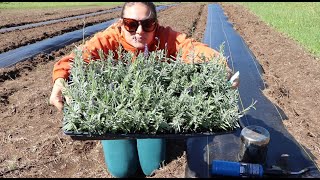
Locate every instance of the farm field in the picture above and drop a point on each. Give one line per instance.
(32, 143)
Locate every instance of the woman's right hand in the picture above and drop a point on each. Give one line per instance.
(56, 98)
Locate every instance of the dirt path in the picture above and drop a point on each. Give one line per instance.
(32, 142)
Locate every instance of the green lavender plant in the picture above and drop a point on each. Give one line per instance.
(149, 95)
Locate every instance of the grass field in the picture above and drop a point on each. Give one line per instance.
(298, 20)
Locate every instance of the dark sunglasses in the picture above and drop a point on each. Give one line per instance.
(132, 25)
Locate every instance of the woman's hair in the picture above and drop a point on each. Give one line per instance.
(150, 6)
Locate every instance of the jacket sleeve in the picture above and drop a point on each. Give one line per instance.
(192, 51)
(90, 50)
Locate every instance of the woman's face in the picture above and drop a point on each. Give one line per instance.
(137, 38)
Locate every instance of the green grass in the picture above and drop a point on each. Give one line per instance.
(298, 20)
(35, 5)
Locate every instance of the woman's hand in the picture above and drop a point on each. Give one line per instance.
(236, 82)
(56, 98)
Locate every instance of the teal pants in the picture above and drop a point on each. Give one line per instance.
(123, 157)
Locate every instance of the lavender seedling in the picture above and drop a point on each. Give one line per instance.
(150, 96)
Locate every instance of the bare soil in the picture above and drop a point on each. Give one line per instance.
(32, 143)
(11, 18)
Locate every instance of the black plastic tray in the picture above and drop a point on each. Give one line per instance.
(110, 136)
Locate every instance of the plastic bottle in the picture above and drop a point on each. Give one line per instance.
(236, 169)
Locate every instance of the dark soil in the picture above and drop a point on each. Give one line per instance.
(31, 138)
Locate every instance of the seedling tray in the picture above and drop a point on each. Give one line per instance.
(110, 136)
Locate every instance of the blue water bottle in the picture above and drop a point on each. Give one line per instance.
(236, 169)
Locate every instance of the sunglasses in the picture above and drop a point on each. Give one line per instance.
(132, 25)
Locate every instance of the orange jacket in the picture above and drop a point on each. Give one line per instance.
(110, 38)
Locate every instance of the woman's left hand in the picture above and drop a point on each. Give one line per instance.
(236, 82)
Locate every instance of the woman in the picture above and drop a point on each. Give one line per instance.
(137, 30)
